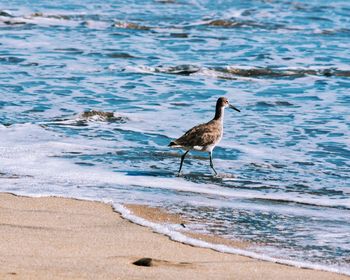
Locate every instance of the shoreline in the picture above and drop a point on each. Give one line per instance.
(218, 244)
(54, 237)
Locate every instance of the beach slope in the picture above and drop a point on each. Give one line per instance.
(59, 238)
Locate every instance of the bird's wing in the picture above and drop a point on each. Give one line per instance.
(200, 135)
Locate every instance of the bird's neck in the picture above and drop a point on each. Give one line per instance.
(219, 113)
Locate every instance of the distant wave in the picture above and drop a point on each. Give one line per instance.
(130, 25)
(231, 72)
(4, 13)
(238, 23)
(90, 116)
(89, 20)
(98, 21)
(11, 60)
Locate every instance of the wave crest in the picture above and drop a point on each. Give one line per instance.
(230, 72)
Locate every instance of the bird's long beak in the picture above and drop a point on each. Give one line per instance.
(234, 108)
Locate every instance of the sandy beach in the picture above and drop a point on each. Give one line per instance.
(59, 238)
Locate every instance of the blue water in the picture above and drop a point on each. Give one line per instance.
(159, 66)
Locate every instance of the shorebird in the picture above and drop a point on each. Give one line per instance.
(206, 136)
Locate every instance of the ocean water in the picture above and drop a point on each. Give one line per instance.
(159, 67)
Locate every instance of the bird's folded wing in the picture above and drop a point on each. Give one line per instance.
(199, 135)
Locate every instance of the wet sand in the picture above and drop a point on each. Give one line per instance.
(59, 238)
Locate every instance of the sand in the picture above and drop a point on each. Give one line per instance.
(59, 238)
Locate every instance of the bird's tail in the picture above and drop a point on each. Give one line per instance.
(173, 144)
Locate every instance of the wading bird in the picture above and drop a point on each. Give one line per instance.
(206, 136)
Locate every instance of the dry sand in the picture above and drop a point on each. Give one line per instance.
(58, 238)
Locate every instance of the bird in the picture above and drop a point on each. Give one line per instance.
(204, 137)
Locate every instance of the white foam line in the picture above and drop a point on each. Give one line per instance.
(177, 236)
(41, 21)
(173, 184)
(61, 170)
(76, 174)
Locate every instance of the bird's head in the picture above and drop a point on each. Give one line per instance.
(223, 102)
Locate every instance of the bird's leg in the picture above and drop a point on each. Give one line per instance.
(211, 163)
(182, 160)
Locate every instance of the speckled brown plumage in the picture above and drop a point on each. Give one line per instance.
(202, 135)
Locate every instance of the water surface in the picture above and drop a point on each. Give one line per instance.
(159, 67)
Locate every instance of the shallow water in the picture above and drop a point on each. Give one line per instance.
(159, 66)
